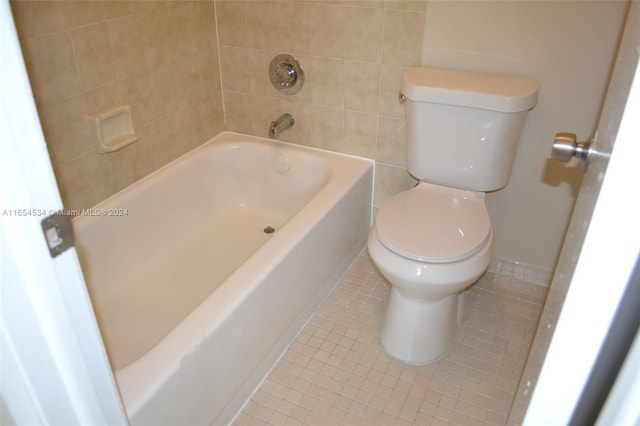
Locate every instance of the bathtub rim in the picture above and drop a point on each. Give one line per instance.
(235, 138)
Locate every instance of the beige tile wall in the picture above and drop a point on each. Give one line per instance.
(353, 54)
(83, 56)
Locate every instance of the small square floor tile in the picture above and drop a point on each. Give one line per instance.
(336, 372)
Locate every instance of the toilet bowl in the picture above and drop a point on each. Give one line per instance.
(430, 242)
(433, 241)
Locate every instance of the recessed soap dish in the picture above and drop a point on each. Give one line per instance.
(112, 129)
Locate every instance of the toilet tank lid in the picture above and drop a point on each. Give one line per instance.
(471, 89)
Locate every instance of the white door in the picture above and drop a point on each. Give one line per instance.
(598, 256)
(53, 364)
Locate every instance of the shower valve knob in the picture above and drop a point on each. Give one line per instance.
(286, 74)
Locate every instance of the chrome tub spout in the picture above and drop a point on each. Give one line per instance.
(284, 122)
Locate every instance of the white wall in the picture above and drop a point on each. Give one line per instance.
(568, 47)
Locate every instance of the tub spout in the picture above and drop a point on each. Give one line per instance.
(284, 122)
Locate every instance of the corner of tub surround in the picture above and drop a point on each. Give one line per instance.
(530, 273)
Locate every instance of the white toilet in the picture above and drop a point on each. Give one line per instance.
(433, 241)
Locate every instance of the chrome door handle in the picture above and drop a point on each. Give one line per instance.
(566, 146)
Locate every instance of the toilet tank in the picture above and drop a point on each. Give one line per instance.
(463, 128)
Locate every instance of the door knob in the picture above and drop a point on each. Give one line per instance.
(566, 146)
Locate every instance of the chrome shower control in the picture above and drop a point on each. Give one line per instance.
(286, 74)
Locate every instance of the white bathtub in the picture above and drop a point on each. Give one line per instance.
(195, 301)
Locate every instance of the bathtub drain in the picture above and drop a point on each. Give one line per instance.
(269, 230)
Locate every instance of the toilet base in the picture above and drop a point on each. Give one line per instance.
(418, 331)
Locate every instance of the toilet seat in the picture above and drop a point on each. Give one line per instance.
(434, 224)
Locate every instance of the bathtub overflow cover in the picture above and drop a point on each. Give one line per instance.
(281, 163)
(269, 230)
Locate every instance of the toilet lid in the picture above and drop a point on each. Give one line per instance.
(432, 223)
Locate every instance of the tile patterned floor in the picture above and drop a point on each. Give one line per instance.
(335, 372)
